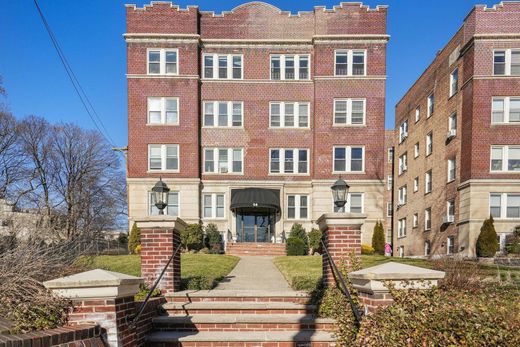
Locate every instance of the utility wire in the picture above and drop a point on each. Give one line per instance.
(91, 111)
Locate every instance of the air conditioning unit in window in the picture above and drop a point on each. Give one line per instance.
(404, 136)
(451, 133)
(399, 206)
(404, 168)
(448, 219)
(223, 169)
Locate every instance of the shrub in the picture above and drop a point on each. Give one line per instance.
(192, 237)
(295, 246)
(315, 236)
(513, 242)
(487, 243)
(298, 231)
(213, 238)
(461, 275)
(378, 238)
(143, 292)
(138, 249)
(197, 283)
(135, 238)
(367, 249)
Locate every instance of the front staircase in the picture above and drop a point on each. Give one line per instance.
(240, 318)
(241, 249)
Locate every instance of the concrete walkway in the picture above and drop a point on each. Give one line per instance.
(254, 273)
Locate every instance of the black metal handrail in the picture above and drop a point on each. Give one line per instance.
(338, 277)
(133, 323)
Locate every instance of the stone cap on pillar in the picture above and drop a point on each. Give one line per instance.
(403, 276)
(340, 219)
(163, 221)
(95, 284)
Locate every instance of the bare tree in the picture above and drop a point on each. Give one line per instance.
(11, 160)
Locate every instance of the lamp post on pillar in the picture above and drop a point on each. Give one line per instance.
(340, 192)
(161, 193)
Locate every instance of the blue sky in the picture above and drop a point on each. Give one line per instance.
(90, 34)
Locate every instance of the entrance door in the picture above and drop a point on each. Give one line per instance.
(255, 227)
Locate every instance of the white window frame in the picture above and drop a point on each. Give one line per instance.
(348, 122)
(229, 160)
(297, 206)
(296, 162)
(229, 66)
(505, 158)
(452, 121)
(508, 54)
(507, 108)
(450, 243)
(430, 108)
(417, 114)
(296, 114)
(416, 150)
(162, 61)
(448, 204)
(389, 182)
(428, 178)
(403, 195)
(348, 206)
(296, 67)
(401, 228)
(348, 159)
(503, 205)
(403, 131)
(427, 218)
(213, 206)
(163, 157)
(162, 100)
(452, 166)
(454, 88)
(150, 207)
(350, 61)
(403, 163)
(390, 154)
(216, 114)
(429, 143)
(415, 220)
(416, 184)
(389, 209)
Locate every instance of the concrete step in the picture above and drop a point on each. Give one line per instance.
(239, 339)
(256, 249)
(243, 322)
(238, 295)
(237, 307)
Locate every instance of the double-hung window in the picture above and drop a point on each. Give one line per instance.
(163, 61)
(223, 113)
(354, 204)
(389, 209)
(450, 245)
(454, 82)
(289, 114)
(223, 66)
(172, 209)
(431, 105)
(415, 220)
(401, 227)
(402, 195)
(349, 111)
(290, 66)
(452, 123)
(389, 182)
(213, 206)
(450, 211)
(403, 163)
(428, 182)
(505, 110)
(403, 131)
(506, 62)
(163, 111)
(349, 159)
(451, 169)
(429, 143)
(163, 157)
(297, 207)
(505, 158)
(504, 205)
(428, 218)
(417, 114)
(289, 161)
(416, 184)
(390, 156)
(350, 62)
(223, 160)
(416, 150)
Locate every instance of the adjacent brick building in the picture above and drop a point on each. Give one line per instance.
(457, 160)
(250, 115)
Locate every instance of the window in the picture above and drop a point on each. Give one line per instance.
(289, 114)
(429, 144)
(349, 111)
(504, 205)
(354, 204)
(162, 62)
(401, 227)
(401, 251)
(172, 209)
(430, 102)
(289, 161)
(505, 158)
(450, 245)
(389, 209)
(416, 150)
(390, 157)
(223, 113)
(403, 131)
(403, 163)
(428, 182)
(163, 157)
(350, 63)
(415, 220)
(452, 124)
(505, 110)
(428, 219)
(427, 248)
(389, 182)
(297, 207)
(163, 111)
(223, 160)
(417, 114)
(402, 195)
(451, 169)
(290, 67)
(213, 206)
(454, 82)
(222, 66)
(450, 211)
(349, 159)
(415, 184)
(506, 62)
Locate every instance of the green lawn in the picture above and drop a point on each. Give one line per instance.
(198, 271)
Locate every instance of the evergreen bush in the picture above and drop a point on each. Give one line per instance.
(487, 243)
(298, 231)
(213, 238)
(135, 239)
(192, 237)
(295, 247)
(378, 238)
(315, 236)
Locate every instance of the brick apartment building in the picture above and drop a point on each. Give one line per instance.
(457, 160)
(250, 115)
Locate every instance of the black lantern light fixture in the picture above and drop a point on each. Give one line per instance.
(160, 192)
(340, 192)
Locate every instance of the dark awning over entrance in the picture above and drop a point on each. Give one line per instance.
(255, 199)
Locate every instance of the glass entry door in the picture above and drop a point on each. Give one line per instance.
(255, 227)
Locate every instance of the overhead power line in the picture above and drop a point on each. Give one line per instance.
(91, 111)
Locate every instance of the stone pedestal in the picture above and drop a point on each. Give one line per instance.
(160, 237)
(342, 236)
(102, 297)
(371, 287)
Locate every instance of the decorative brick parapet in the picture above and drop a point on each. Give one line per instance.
(159, 240)
(77, 336)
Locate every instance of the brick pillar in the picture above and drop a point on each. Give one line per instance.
(342, 236)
